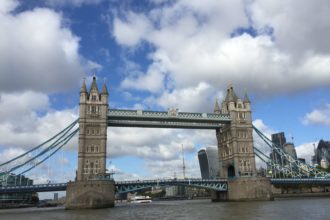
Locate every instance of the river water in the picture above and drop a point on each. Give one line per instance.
(310, 208)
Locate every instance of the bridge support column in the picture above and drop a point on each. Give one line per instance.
(249, 188)
(217, 196)
(245, 189)
(91, 194)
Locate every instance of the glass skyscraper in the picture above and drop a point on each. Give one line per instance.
(208, 162)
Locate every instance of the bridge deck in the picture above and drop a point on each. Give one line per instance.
(162, 119)
(124, 186)
(304, 181)
(130, 186)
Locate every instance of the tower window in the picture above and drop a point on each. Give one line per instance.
(93, 109)
(93, 97)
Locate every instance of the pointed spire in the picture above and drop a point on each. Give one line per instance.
(83, 88)
(246, 98)
(231, 96)
(216, 107)
(94, 85)
(104, 88)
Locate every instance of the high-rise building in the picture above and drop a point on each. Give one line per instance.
(280, 141)
(17, 180)
(289, 149)
(322, 152)
(208, 162)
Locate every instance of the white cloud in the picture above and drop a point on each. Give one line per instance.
(20, 108)
(191, 41)
(93, 66)
(10, 153)
(23, 126)
(48, 51)
(150, 144)
(8, 6)
(306, 151)
(152, 81)
(131, 31)
(191, 99)
(295, 30)
(318, 116)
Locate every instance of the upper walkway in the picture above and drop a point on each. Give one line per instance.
(170, 119)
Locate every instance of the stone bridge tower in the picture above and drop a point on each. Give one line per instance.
(236, 153)
(93, 132)
(235, 141)
(92, 188)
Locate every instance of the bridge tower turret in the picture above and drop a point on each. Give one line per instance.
(93, 132)
(236, 153)
(235, 141)
(91, 189)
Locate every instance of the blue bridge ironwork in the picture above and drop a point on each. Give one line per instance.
(303, 181)
(34, 188)
(132, 186)
(127, 186)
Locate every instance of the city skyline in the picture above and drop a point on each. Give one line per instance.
(157, 55)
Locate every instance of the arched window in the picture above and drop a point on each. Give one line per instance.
(94, 109)
(231, 171)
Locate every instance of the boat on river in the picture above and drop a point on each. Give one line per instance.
(140, 199)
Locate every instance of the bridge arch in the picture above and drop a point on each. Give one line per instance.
(231, 171)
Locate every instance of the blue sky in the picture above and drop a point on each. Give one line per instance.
(157, 54)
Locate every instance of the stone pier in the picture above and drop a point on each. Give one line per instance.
(90, 194)
(245, 189)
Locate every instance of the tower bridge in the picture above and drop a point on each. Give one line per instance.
(231, 121)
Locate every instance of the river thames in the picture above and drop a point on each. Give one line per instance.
(307, 208)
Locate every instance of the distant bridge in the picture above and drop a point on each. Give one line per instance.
(212, 184)
(127, 186)
(303, 181)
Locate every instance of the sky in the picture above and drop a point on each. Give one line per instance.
(155, 55)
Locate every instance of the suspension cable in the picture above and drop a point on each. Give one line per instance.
(40, 145)
(66, 140)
